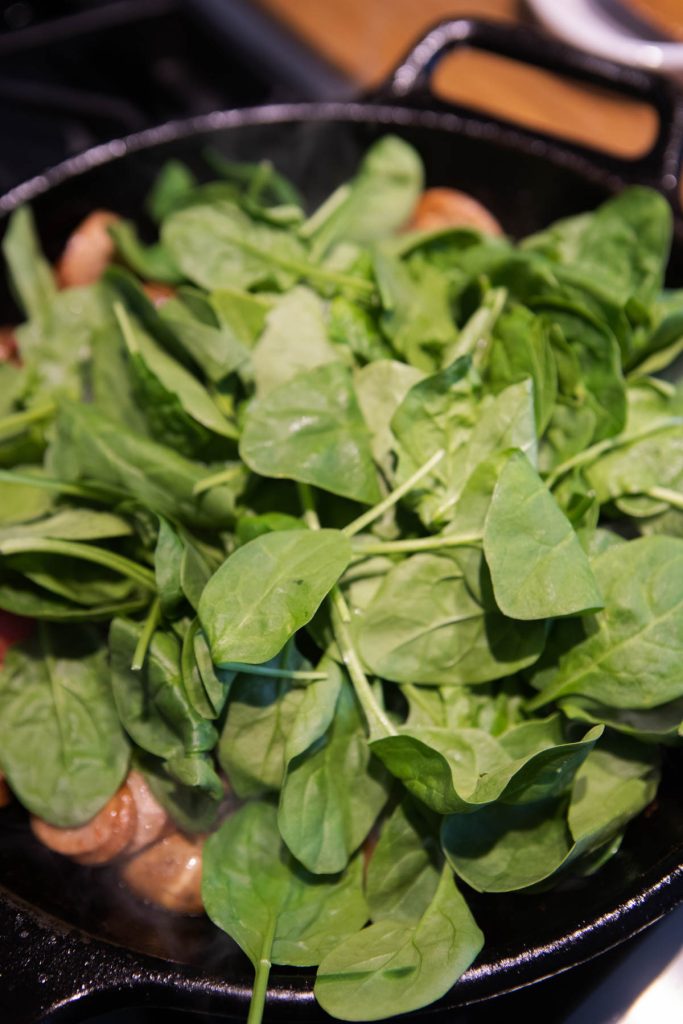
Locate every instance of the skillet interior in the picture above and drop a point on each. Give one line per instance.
(526, 184)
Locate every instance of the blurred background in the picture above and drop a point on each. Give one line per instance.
(74, 73)
(77, 72)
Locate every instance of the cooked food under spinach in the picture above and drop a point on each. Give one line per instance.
(377, 527)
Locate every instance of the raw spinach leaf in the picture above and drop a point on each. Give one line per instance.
(221, 245)
(404, 868)
(311, 429)
(377, 202)
(332, 793)
(627, 656)
(275, 910)
(294, 340)
(89, 446)
(267, 590)
(425, 626)
(538, 567)
(61, 745)
(391, 967)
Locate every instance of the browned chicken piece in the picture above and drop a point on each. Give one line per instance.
(88, 251)
(169, 873)
(100, 840)
(152, 821)
(9, 352)
(449, 208)
(158, 293)
(5, 794)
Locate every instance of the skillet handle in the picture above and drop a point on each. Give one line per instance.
(660, 167)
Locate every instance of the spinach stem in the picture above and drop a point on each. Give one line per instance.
(377, 511)
(473, 339)
(86, 552)
(20, 420)
(609, 443)
(435, 543)
(341, 617)
(223, 476)
(308, 506)
(258, 995)
(673, 498)
(377, 719)
(142, 646)
(9, 476)
(272, 673)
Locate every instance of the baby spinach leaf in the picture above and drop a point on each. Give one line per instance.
(417, 315)
(380, 387)
(501, 848)
(311, 429)
(403, 872)
(332, 793)
(241, 312)
(662, 724)
(504, 847)
(294, 340)
(151, 262)
(220, 244)
(391, 968)
(72, 524)
(425, 626)
(275, 910)
(262, 177)
(627, 656)
(61, 745)
(521, 348)
(352, 326)
(169, 392)
(616, 781)
(153, 705)
(89, 446)
(377, 202)
(456, 772)
(267, 590)
(59, 350)
(31, 274)
(621, 248)
(538, 567)
(173, 182)
(167, 557)
(262, 712)
(214, 348)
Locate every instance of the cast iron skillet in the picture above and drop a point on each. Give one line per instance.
(72, 942)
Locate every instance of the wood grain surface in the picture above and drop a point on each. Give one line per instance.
(366, 38)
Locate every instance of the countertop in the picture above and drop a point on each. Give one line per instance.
(366, 38)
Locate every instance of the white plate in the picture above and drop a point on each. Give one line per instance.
(586, 25)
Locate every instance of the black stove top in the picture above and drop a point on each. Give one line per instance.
(74, 73)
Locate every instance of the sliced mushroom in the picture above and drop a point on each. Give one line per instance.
(100, 840)
(13, 629)
(169, 873)
(152, 821)
(448, 207)
(5, 794)
(158, 293)
(9, 351)
(88, 251)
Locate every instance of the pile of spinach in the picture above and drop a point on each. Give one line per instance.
(384, 527)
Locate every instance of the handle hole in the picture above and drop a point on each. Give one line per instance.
(547, 102)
